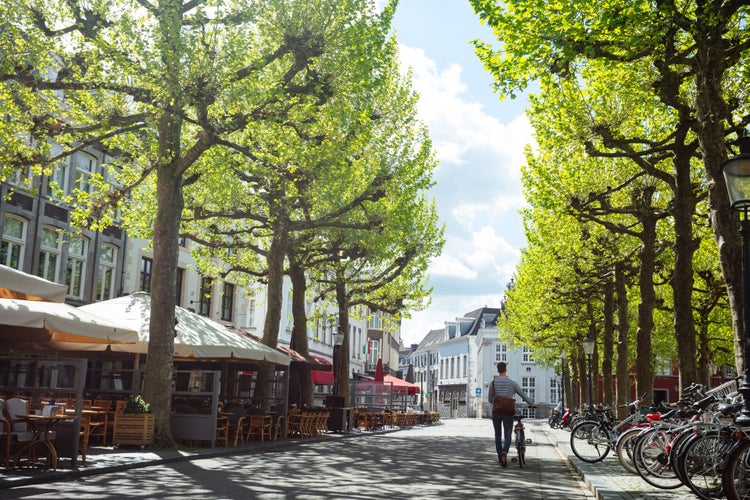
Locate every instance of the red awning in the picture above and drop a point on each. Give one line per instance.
(322, 377)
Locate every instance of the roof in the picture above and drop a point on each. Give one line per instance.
(431, 340)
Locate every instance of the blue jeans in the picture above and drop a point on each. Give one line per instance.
(502, 439)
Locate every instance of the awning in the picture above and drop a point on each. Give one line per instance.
(195, 336)
(25, 321)
(16, 284)
(322, 377)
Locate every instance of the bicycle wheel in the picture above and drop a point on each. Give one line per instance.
(651, 459)
(700, 462)
(736, 475)
(624, 448)
(521, 447)
(590, 441)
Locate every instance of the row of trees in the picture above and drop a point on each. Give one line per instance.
(638, 107)
(278, 134)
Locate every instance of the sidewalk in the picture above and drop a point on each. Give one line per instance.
(608, 479)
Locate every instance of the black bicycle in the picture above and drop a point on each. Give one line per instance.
(521, 441)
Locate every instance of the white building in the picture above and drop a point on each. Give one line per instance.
(456, 365)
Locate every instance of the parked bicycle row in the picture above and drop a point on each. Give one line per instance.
(694, 442)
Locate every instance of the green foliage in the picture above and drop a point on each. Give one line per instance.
(136, 405)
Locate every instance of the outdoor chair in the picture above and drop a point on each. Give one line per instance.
(222, 430)
(104, 404)
(278, 427)
(237, 423)
(119, 409)
(15, 409)
(259, 425)
(98, 424)
(83, 446)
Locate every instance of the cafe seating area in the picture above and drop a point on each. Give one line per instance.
(308, 423)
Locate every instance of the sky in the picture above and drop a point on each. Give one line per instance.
(479, 141)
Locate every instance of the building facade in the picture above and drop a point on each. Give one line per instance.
(454, 367)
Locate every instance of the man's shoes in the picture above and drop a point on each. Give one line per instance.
(504, 459)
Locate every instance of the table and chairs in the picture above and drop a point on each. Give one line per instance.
(25, 430)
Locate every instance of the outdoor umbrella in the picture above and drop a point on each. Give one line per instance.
(401, 386)
(28, 321)
(195, 336)
(16, 284)
(379, 371)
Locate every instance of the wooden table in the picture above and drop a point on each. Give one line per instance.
(41, 426)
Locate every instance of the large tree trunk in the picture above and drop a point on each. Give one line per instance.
(301, 377)
(160, 361)
(712, 116)
(274, 298)
(608, 341)
(341, 375)
(682, 278)
(623, 333)
(644, 370)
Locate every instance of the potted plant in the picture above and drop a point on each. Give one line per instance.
(135, 425)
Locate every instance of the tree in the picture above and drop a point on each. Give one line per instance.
(694, 55)
(160, 86)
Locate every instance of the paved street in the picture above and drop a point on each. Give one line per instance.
(455, 459)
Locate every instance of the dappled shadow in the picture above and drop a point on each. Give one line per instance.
(428, 462)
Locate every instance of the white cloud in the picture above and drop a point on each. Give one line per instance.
(456, 125)
(478, 194)
(446, 265)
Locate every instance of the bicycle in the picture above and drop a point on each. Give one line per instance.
(592, 439)
(519, 432)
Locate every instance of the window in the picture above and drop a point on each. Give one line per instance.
(204, 301)
(227, 302)
(528, 384)
(49, 254)
(374, 350)
(57, 181)
(84, 165)
(501, 353)
(147, 266)
(465, 365)
(76, 265)
(105, 274)
(11, 250)
(554, 391)
(527, 356)
(453, 367)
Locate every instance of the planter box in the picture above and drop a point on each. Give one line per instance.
(135, 430)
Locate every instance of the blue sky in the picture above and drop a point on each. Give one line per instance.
(479, 141)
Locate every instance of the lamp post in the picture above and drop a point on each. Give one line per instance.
(562, 376)
(338, 340)
(588, 347)
(736, 172)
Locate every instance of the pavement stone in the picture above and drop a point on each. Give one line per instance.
(607, 480)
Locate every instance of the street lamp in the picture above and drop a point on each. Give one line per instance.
(736, 172)
(588, 348)
(338, 340)
(562, 391)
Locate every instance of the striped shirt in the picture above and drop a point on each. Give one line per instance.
(504, 386)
